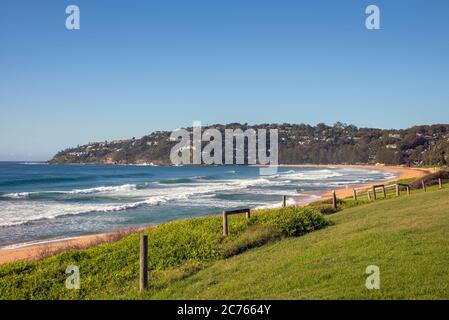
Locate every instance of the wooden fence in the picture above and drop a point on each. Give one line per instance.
(227, 213)
(143, 278)
(372, 192)
(424, 184)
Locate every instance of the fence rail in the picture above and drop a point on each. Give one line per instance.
(227, 213)
(372, 192)
(424, 184)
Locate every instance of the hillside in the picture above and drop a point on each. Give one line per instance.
(298, 144)
(406, 237)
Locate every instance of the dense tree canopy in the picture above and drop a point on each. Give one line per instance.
(298, 144)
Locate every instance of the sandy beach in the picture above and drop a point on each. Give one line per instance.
(401, 173)
(45, 248)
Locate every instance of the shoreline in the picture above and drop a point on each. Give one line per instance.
(35, 250)
(38, 249)
(402, 173)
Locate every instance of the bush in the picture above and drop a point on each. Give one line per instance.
(201, 239)
(430, 179)
(293, 221)
(325, 208)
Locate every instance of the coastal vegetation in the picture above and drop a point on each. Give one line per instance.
(298, 144)
(405, 237)
(295, 253)
(176, 249)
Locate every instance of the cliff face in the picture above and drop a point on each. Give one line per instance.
(301, 143)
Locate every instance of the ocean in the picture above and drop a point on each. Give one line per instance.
(41, 201)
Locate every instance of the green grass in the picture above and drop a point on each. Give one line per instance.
(176, 250)
(406, 237)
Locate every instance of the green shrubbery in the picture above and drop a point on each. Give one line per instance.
(111, 270)
(201, 239)
(292, 221)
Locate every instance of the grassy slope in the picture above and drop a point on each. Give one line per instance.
(407, 237)
(177, 250)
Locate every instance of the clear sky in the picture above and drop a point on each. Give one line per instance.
(139, 66)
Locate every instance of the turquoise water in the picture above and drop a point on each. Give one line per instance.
(40, 201)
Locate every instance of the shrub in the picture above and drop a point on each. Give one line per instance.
(201, 239)
(293, 221)
(325, 208)
(430, 179)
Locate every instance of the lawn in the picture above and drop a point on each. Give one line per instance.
(407, 238)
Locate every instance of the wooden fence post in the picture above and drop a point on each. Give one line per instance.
(408, 190)
(398, 191)
(334, 200)
(284, 201)
(374, 193)
(226, 213)
(424, 186)
(355, 194)
(385, 192)
(225, 224)
(143, 279)
(369, 195)
(440, 183)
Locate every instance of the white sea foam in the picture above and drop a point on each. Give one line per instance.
(103, 189)
(33, 243)
(18, 195)
(297, 199)
(20, 208)
(34, 163)
(20, 212)
(17, 213)
(124, 187)
(312, 174)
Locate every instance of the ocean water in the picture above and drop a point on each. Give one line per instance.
(40, 201)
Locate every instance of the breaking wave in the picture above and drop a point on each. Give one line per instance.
(196, 191)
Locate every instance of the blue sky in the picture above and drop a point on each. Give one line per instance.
(139, 66)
